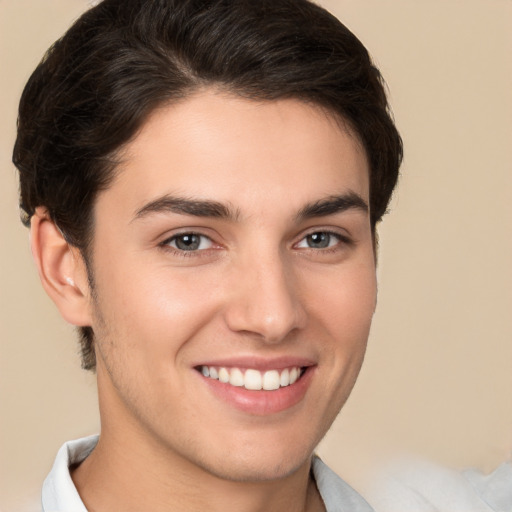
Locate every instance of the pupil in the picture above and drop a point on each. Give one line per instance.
(187, 242)
(319, 240)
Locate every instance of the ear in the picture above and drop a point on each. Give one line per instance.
(61, 269)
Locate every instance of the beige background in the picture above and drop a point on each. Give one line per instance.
(437, 379)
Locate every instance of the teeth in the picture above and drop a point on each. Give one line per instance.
(271, 380)
(285, 378)
(253, 379)
(236, 378)
(223, 375)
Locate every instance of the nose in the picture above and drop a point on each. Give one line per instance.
(265, 301)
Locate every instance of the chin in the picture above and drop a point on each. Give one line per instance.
(259, 463)
(257, 471)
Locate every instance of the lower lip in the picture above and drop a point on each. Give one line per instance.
(261, 402)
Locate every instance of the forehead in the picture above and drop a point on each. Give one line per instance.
(241, 151)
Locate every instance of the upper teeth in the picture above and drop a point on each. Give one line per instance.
(253, 379)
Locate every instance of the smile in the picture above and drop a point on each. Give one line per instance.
(252, 379)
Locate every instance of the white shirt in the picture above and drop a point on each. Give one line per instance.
(60, 494)
(421, 486)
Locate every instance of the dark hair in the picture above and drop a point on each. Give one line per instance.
(97, 85)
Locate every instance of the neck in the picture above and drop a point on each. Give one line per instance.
(142, 478)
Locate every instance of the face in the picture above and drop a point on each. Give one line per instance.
(234, 283)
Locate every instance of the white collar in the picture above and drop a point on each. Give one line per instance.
(59, 491)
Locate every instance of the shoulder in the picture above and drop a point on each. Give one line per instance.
(426, 487)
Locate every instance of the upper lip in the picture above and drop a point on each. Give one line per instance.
(258, 363)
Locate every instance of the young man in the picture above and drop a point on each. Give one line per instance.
(203, 181)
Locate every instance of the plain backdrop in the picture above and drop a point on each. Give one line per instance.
(437, 379)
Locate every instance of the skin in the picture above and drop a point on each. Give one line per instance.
(255, 288)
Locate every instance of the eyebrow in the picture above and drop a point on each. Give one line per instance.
(186, 206)
(208, 208)
(332, 205)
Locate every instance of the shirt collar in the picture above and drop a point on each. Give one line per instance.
(59, 491)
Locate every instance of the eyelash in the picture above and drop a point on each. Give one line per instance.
(165, 245)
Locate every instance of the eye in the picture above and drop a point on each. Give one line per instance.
(319, 240)
(189, 242)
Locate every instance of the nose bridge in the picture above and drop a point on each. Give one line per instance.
(266, 302)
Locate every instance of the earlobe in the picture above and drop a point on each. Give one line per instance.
(61, 269)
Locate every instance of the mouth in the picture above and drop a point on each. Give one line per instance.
(253, 379)
(258, 389)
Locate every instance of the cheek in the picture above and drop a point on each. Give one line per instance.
(344, 311)
(346, 302)
(151, 312)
